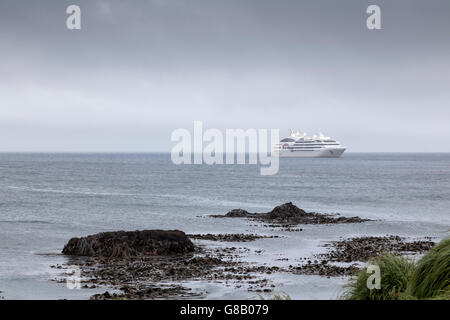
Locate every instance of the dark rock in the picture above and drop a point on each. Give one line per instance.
(228, 237)
(237, 213)
(324, 270)
(287, 210)
(125, 244)
(364, 248)
(144, 293)
(287, 215)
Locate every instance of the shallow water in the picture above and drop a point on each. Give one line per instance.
(45, 199)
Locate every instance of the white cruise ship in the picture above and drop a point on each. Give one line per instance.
(300, 145)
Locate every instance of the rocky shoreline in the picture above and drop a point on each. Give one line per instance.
(360, 249)
(156, 264)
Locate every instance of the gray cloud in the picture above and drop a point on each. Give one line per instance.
(139, 69)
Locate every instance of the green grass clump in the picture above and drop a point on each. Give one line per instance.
(276, 296)
(401, 279)
(442, 296)
(395, 272)
(431, 278)
(282, 296)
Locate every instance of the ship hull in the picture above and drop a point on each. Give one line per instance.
(322, 153)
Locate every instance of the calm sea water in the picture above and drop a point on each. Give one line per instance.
(45, 199)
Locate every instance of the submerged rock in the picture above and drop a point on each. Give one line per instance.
(125, 244)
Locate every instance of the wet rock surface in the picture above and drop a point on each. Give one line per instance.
(150, 292)
(324, 269)
(239, 237)
(125, 244)
(237, 213)
(364, 248)
(153, 264)
(358, 249)
(161, 277)
(289, 214)
(156, 264)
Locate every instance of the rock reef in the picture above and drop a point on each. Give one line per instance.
(364, 248)
(289, 213)
(155, 264)
(125, 244)
(146, 275)
(324, 269)
(229, 237)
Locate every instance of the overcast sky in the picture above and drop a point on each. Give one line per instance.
(137, 70)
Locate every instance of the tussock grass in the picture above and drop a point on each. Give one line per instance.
(275, 296)
(431, 278)
(402, 279)
(395, 274)
(442, 296)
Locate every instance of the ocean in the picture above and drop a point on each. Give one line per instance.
(45, 199)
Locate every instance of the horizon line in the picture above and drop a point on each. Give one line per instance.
(168, 152)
